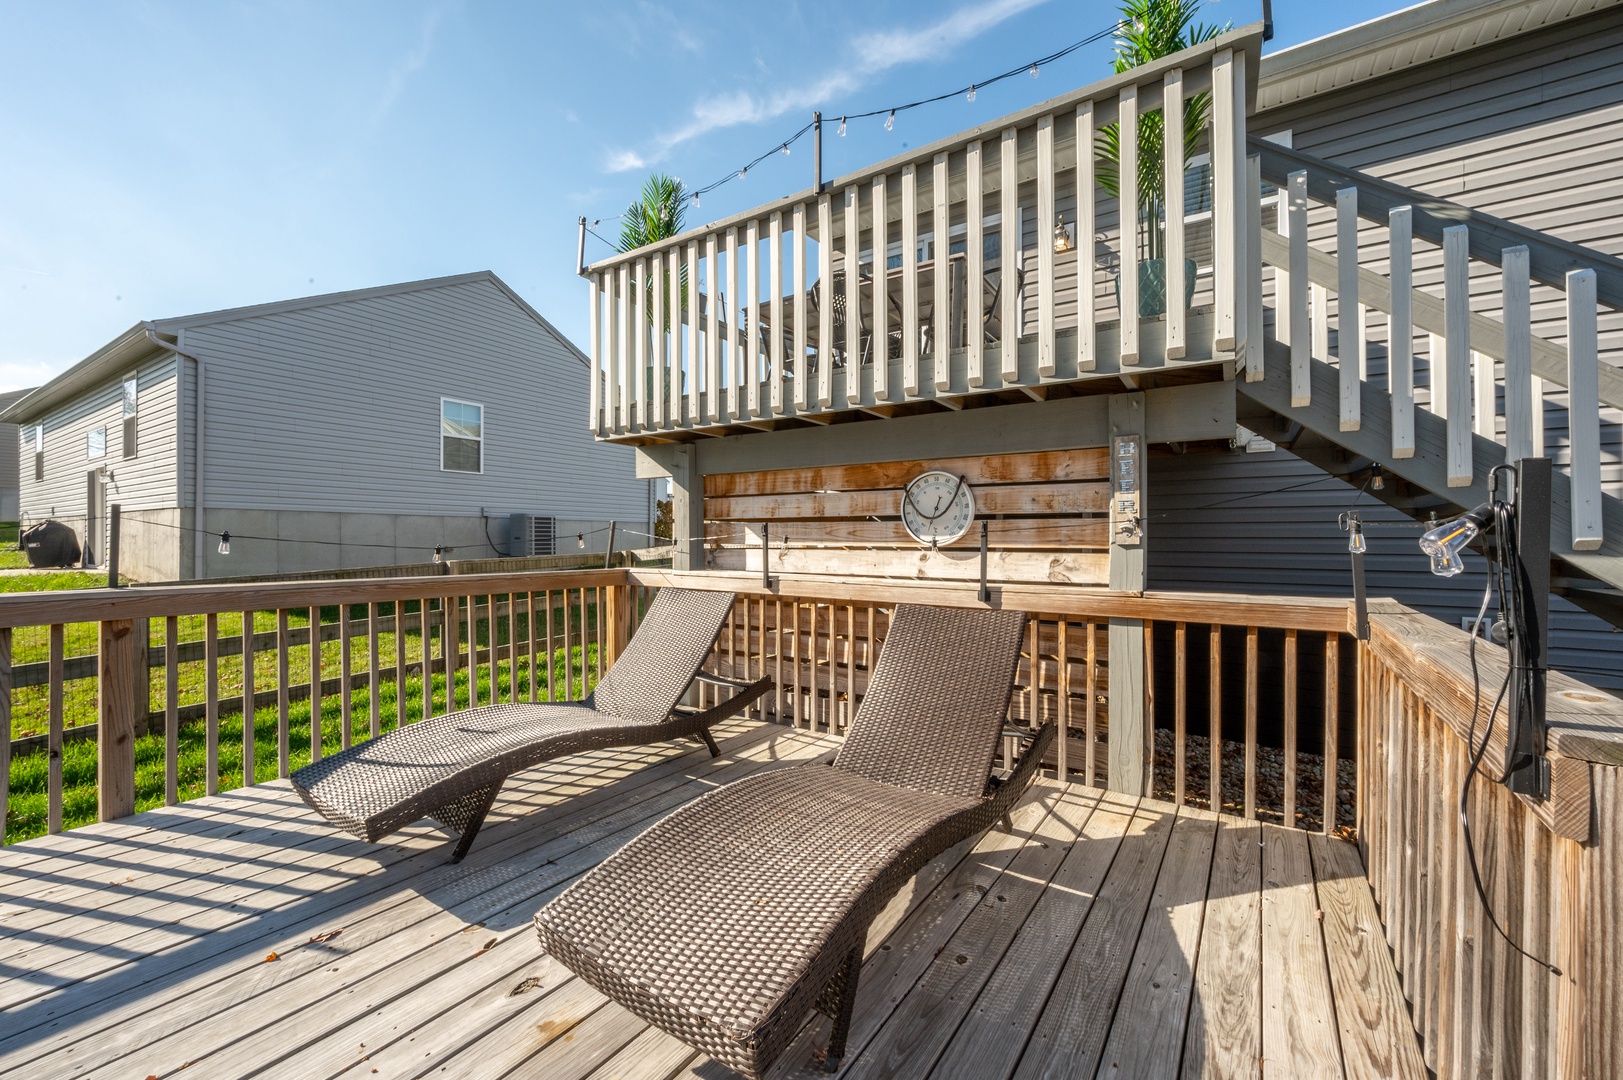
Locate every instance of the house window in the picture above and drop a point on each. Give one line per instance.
(96, 442)
(462, 436)
(34, 441)
(131, 388)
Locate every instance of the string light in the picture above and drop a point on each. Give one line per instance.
(1377, 478)
(890, 121)
(225, 544)
(785, 149)
(971, 95)
(842, 127)
(695, 200)
(1033, 71)
(439, 552)
(580, 540)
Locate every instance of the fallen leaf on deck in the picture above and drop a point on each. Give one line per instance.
(328, 936)
(271, 956)
(491, 944)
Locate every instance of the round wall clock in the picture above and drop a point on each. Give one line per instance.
(937, 507)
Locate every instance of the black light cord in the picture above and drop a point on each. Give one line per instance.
(1511, 607)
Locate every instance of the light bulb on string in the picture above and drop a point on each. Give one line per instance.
(1034, 70)
(842, 127)
(439, 553)
(225, 544)
(1355, 541)
(1377, 478)
(890, 121)
(742, 171)
(785, 149)
(580, 540)
(971, 95)
(695, 200)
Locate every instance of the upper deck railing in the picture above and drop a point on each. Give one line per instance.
(974, 265)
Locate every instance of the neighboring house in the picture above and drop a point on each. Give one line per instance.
(9, 454)
(361, 428)
(1511, 108)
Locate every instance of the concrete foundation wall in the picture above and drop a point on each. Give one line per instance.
(299, 541)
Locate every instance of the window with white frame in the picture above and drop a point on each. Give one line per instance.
(131, 397)
(462, 436)
(34, 443)
(96, 442)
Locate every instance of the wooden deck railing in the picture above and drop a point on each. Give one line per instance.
(796, 309)
(1401, 705)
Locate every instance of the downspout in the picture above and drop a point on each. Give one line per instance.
(197, 458)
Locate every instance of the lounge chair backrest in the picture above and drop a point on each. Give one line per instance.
(659, 662)
(937, 700)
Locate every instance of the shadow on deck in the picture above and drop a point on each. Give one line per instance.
(1104, 936)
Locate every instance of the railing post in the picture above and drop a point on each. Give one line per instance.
(5, 730)
(1130, 731)
(115, 733)
(619, 619)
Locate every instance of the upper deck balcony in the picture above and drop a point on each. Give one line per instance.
(1004, 269)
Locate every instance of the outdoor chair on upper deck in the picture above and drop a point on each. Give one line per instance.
(451, 767)
(725, 923)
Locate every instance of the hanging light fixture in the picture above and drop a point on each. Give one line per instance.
(1444, 543)
(695, 200)
(439, 553)
(743, 171)
(785, 149)
(580, 540)
(1033, 69)
(842, 127)
(1355, 539)
(890, 121)
(971, 95)
(1377, 478)
(225, 544)
(1063, 240)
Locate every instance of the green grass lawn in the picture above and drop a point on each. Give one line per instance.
(26, 814)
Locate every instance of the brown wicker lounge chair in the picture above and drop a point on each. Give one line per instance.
(451, 767)
(725, 923)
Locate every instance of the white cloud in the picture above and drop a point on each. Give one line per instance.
(865, 56)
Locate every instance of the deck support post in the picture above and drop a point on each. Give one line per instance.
(115, 722)
(1130, 724)
(687, 508)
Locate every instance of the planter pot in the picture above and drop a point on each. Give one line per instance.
(1152, 287)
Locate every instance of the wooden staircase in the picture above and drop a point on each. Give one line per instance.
(1356, 399)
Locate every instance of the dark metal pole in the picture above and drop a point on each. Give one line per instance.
(985, 594)
(817, 153)
(766, 555)
(112, 547)
(1525, 760)
(580, 250)
(608, 556)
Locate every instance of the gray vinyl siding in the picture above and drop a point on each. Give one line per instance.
(335, 408)
(1267, 524)
(144, 482)
(1530, 130)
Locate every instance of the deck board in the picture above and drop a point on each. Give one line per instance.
(1131, 939)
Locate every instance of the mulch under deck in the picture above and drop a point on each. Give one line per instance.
(239, 935)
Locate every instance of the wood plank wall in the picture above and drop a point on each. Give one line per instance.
(1046, 514)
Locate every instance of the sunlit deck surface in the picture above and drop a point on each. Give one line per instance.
(238, 935)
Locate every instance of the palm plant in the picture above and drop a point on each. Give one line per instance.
(1150, 30)
(658, 213)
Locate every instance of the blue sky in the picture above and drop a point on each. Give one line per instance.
(163, 158)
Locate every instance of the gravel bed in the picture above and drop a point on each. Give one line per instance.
(1270, 782)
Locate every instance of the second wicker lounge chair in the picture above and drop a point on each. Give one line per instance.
(451, 767)
(728, 921)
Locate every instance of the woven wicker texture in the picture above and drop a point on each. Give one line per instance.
(933, 696)
(451, 766)
(727, 921)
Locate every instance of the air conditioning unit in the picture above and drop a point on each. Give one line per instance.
(529, 534)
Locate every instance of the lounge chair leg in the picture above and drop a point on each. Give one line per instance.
(710, 741)
(843, 992)
(466, 815)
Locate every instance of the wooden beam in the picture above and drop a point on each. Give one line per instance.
(115, 718)
(1130, 726)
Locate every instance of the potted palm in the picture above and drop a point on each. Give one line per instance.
(1150, 30)
(658, 213)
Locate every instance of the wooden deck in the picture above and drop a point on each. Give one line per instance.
(1104, 936)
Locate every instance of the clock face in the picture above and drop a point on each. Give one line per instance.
(937, 508)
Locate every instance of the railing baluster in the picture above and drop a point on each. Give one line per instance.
(53, 745)
(735, 354)
(493, 637)
(1484, 396)
(1250, 722)
(798, 703)
(712, 411)
(171, 711)
(1332, 729)
(250, 736)
(1517, 315)
(1248, 216)
(1180, 695)
(1172, 244)
(1457, 320)
(777, 661)
(941, 275)
(374, 706)
(345, 672)
(1400, 331)
(402, 659)
(974, 265)
(853, 298)
(881, 291)
(775, 367)
(211, 703)
(594, 298)
(691, 410)
(283, 749)
(1583, 409)
(600, 621)
(1009, 262)
(798, 265)
(614, 403)
(662, 350)
(910, 280)
(552, 654)
(752, 325)
(315, 684)
(1296, 298)
(1062, 764)
(825, 302)
(1214, 692)
(569, 654)
(1228, 178)
(1349, 312)
(640, 330)
(512, 647)
(1090, 732)
(425, 645)
(1045, 246)
(1319, 313)
(5, 729)
(1290, 729)
(1127, 211)
(1086, 222)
